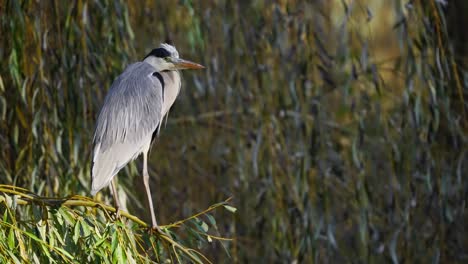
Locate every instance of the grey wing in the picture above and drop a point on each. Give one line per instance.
(128, 118)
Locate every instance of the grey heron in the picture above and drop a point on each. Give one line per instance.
(132, 114)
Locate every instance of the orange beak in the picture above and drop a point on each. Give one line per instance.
(181, 64)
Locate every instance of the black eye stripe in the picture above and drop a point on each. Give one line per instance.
(159, 52)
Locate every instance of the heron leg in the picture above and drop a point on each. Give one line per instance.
(148, 191)
(116, 198)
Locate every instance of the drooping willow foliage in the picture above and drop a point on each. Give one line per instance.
(338, 127)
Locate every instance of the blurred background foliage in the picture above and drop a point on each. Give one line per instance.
(339, 127)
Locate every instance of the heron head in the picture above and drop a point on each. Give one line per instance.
(166, 58)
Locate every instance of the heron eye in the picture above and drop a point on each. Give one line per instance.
(167, 59)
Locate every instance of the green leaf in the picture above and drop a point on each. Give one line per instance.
(11, 239)
(212, 220)
(204, 226)
(64, 252)
(117, 254)
(230, 208)
(15, 259)
(3, 108)
(5, 215)
(46, 251)
(115, 241)
(77, 232)
(100, 242)
(85, 228)
(41, 227)
(58, 236)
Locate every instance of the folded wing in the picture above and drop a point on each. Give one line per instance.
(130, 114)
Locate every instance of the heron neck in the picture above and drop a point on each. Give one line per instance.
(172, 85)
